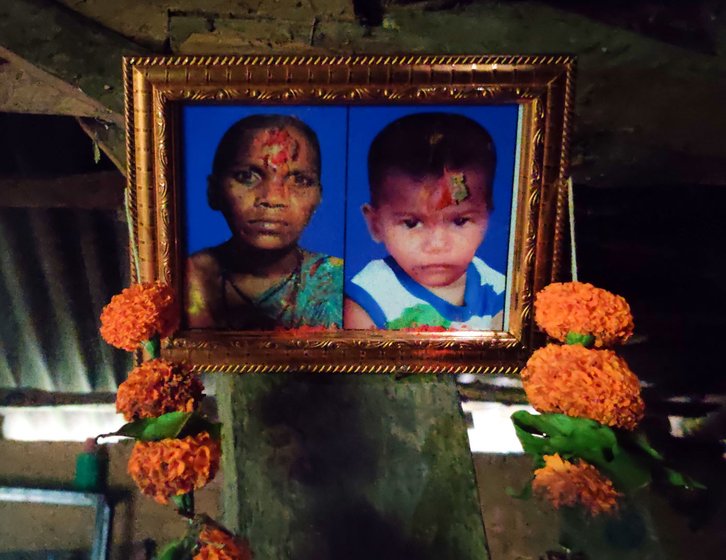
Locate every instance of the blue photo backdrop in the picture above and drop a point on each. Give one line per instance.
(366, 122)
(345, 134)
(203, 127)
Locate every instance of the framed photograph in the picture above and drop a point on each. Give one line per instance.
(350, 214)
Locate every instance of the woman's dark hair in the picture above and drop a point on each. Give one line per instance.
(239, 135)
(427, 144)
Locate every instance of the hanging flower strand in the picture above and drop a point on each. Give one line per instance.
(173, 467)
(581, 310)
(566, 483)
(584, 383)
(157, 387)
(215, 543)
(139, 313)
(583, 441)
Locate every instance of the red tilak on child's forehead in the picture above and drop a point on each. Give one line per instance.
(450, 189)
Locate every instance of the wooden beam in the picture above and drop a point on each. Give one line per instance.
(64, 89)
(110, 137)
(97, 191)
(22, 92)
(79, 59)
(39, 35)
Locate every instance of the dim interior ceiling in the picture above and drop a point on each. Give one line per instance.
(61, 259)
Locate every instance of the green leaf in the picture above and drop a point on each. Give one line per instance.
(152, 346)
(166, 426)
(175, 550)
(170, 425)
(547, 434)
(214, 429)
(639, 440)
(683, 481)
(572, 337)
(184, 504)
(96, 153)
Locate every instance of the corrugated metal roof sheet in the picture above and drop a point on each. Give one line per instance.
(58, 268)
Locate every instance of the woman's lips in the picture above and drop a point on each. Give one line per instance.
(268, 225)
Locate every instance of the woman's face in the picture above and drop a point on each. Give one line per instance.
(270, 190)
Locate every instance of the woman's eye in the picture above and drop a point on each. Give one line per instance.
(246, 177)
(302, 180)
(411, 223)
(461, 220)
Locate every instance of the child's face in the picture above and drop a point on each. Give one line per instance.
(271, 189)
(431, 235)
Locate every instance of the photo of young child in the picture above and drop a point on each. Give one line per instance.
(430, 183)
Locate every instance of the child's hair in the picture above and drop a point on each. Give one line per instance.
(427, 144)
(239, 136)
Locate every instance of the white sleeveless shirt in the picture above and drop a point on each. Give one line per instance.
(386, 292)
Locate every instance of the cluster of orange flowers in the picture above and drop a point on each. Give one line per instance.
(137, 314)
(584, 383)
(172, 467)
(582, 308)
(566, 483)
(157, 387)
(217, 544)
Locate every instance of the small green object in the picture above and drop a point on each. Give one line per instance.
(184, 504)
(587, 340)
(418, 316)
(96, 153)
(152, 346)
(569, 437)
(88, 472)
(169, 425)
(390, 24)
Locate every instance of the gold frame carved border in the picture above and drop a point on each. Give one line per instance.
(155, 87)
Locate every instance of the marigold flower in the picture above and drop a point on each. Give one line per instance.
(582, 308)
(585, 383)
(137, 314)
(567, 484)
(172, 467)
(217, 544)
(157, 387)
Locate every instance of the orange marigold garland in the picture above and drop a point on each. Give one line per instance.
(172, 467)
(139, 313)
(577, 307)
(169, 469)
(217, 544)
(566, 483)
(584, 383)
(157, 387)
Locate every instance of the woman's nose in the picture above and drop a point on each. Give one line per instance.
(273, 193)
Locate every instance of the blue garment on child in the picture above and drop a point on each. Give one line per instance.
(386, 292)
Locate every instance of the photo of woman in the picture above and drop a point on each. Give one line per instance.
(265, 181)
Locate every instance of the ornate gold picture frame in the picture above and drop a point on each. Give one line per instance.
(320, 186)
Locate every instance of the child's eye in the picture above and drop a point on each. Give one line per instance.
(411, 223)
(246, 177)
(461, 220)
